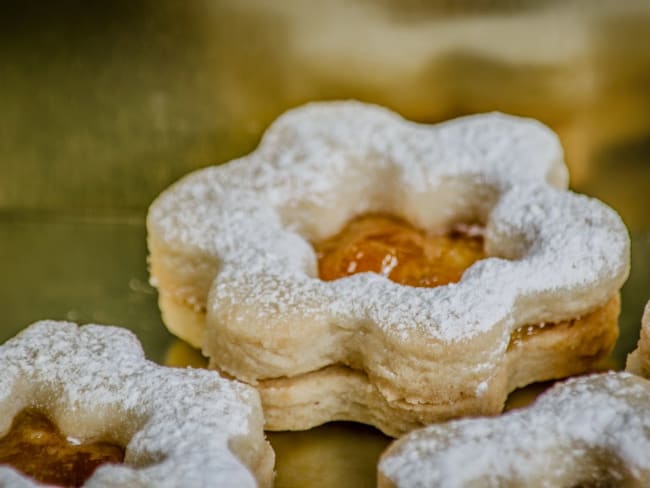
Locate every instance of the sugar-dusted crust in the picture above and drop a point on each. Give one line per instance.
(589, 431)
(342, 393)
(638, 362)
(181, 427)
(234, 241)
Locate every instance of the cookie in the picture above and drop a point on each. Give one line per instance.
(588, 431)
(638, 362)
(238, 251)
(78, 398)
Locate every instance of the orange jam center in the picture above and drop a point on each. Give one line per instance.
(395, 249)
(37, 448)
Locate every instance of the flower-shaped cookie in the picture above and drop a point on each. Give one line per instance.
(230, 253)
(179, 427)
(589, 431)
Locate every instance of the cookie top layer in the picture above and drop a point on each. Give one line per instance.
(554, 254)
(181, 427)
(584, 431)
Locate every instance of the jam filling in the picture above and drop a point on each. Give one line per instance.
(37, 448)
(395, 249)
(525, 332)
(404, 254)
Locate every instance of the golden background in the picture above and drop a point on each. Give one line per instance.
(102, 107)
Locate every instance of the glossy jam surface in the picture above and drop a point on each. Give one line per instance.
(397, 250)
(35, 447)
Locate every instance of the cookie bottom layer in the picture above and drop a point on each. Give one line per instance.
(340, 393)
(182, 320)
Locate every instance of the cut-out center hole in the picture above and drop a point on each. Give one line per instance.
(404, 254)
(36, 447)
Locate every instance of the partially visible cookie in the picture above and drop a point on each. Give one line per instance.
(638, 362)
(588, 431)
(176, 427)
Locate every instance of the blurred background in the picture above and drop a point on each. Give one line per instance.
(104, 104)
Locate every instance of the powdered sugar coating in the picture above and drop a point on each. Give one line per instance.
(181, 427)
(589, 431)
(247, 226)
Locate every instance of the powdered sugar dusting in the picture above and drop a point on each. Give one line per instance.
(555, 254)
(589, 431)
(178, 425)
